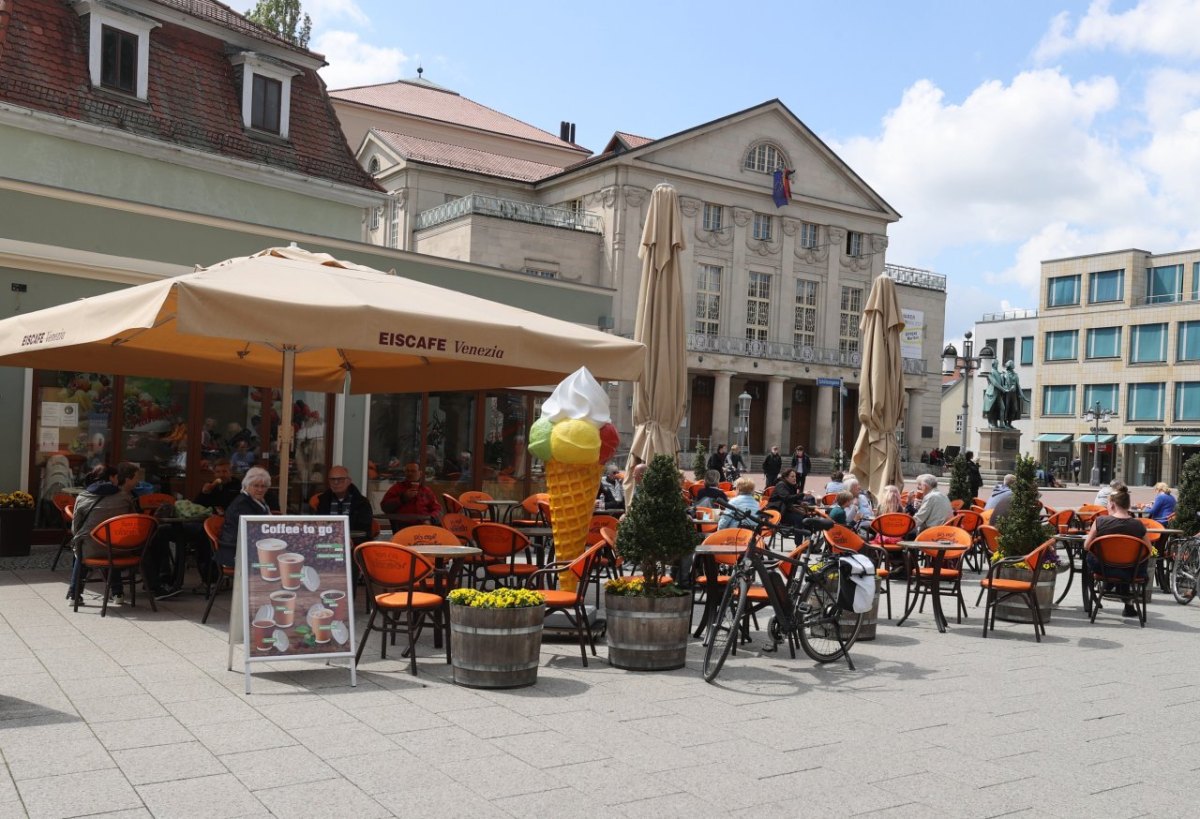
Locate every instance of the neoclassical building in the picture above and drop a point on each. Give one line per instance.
(775, 292)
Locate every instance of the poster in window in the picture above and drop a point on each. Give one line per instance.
(912, 337)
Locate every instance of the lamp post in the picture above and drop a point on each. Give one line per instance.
(744, 421)
(1097, 416)
(966, 365)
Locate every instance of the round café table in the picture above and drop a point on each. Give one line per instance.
(497, 508)
(939, 548)
(447, 564)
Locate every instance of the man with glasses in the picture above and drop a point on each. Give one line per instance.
(410, 502)
(343, 498)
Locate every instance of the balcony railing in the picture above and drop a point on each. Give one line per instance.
(1009, 315)
(915, 277)
(1164, 299)
(534, 214)
(782, 351)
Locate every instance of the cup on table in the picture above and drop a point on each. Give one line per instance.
(290, 566)
(269, 550)
(284, 604)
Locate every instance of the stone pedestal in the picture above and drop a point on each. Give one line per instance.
(998, 451)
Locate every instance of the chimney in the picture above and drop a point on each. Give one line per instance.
(566, 131)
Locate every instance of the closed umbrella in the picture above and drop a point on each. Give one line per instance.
(288, 318)
(876, 460)
(659, 395)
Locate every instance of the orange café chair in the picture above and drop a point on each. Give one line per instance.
(150, 503)
(65, 504)
(570, 603)
(1123, 562)
(393, 575)
(920, 578)
(124, 539)
(471, 505)
(845, 540)
(502, 544)
(212, 528)
(1000, 589)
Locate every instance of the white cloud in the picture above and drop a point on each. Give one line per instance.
(1163, 27)
(353, 62)
(326, 11)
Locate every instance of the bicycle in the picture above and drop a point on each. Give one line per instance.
(1185, 569)
(804, 605)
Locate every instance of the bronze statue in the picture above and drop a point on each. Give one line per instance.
(1002, 399)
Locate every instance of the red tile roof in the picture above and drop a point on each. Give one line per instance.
(225, 16)
(468, 159)
(193, 98)
(632, 141)
(421, 99)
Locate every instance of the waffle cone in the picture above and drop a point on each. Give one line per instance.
(572, 489)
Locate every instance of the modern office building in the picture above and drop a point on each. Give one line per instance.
(1119, 332)
(775, 291)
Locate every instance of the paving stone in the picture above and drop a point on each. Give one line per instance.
(78, 794)
(322, 799)
(277, 767)
(167, 763)
(213, 797)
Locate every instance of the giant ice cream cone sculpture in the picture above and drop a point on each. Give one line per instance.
(574, 437)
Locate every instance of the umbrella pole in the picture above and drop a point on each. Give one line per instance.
(285, 425)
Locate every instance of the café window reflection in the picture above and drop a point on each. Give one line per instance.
(449, 442)
(505, 427)
(154, 430)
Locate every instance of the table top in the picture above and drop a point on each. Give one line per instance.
(720, 549)
(932, 545)
(536, 531)
(445, 550)
(498, 502)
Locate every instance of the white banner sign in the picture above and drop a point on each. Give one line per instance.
(912, 337)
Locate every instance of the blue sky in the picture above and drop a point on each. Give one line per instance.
(1003, 133)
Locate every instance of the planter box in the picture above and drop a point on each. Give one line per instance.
(647, 633)
(496, 648)
(16, 532)
(1014, 609)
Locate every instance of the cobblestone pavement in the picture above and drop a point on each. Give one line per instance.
(135, 715)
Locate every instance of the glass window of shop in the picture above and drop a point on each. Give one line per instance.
(450, 442)
(72, 428)
(154, 430)
(393, 440)
(505, 425)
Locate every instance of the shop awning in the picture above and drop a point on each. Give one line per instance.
(1053, 438)
(1097, 439)
(1184, 440)
(1141, 440)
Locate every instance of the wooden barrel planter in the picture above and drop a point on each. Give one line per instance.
(1014, 609)
(870, 619)
(496, 648)
(647, 633)
(16, 531)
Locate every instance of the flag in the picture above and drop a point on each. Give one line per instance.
(782, 189)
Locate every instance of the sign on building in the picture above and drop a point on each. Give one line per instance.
(912, 337)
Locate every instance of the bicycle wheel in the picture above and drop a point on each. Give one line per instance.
(1185, 571)
(821, 618)
(723, 630)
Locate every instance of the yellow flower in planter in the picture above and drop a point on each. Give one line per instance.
(499, 599)
(16, 500)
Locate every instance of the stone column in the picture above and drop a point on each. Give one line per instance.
(826, 438)
(773, 419)
(720, 417)
(912, 424)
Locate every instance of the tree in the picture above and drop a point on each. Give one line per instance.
(1021, 530)
(699, 461)
(285, 18)
(656, 530)
(1188, 505)
(960, 482)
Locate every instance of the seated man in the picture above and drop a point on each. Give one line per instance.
(343, 498)
(110, 493)
(221, 490)
(612, 482)
(410, 502)
(1001, 499)
(935, 507)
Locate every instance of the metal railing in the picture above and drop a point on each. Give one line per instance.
(783, 351)
(1164, 299)
(530, 212)
(1008, 315)
(915, 277)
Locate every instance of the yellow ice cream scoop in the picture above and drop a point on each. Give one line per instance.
(575, 442)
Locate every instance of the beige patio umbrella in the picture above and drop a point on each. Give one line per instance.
(876, 460)
(659, 395)
(288, 318)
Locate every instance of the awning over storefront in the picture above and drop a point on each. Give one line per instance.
(1097, 439)
(1184, 440)
(1141, 440)
(1053, 438)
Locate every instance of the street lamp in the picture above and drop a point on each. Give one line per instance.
(1097, 416)
(966, 366)
(744, 420)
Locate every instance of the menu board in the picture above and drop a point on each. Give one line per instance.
(292, 590)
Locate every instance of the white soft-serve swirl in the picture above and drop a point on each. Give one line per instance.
(578, 396)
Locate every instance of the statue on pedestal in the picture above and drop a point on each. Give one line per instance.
(1002, 399)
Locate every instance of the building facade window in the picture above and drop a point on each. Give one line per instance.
(1008, 347)
(854, 243)
(714, 217)
(758, 307)
(1187, 401)
(118, 47)
(805, 330)
(266, 99)
(1062, 291)
(1164, 284)
(1058, 399)
(1027, 350)
(394, 230)
(1026, 402)
(1146, 402)
(1106, 286)
(118, 59)
(1195, 281)
(708, 300)
(266, 92)
(1148, 343)
(849, 317)
(808, 235)
(1061, 345)
(1107, 394)
(764, 158)
(1103, 342)
(1187, 345)
(762, 226)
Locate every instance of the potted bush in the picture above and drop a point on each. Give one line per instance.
(1021, 531)
(16, 523)
(648, 616)
(496, 637)
(1188, 506)
(960, 482)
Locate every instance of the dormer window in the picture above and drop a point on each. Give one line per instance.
(266, 86)
(118, 47)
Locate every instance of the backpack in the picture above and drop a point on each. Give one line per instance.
(856, 583)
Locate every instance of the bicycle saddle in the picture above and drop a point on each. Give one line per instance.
(818, 524)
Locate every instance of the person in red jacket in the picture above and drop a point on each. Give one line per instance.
(410, 502)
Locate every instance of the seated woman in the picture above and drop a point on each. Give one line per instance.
(251, 501)
(743, 501)
(788, 500)
(1163, 506)
(1118, 521)
(711, 491)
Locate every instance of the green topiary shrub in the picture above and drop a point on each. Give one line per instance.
(1188, 503)
(1021, 530)
(699, 461)
(960, 482)
(656, 531)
